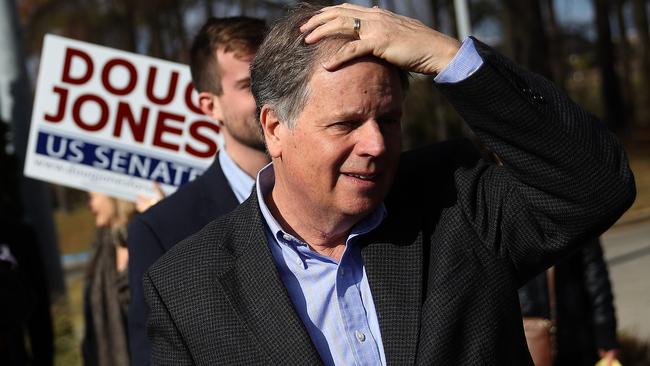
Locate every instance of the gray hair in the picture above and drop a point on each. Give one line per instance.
(284, 64)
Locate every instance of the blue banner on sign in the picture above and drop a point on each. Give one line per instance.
(121, 161)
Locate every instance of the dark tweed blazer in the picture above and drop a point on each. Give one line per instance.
(461, 235)
(152, 233)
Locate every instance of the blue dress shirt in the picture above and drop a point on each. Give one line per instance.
(464, 64)
(332, 299)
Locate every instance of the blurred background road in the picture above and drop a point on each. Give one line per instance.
(627, 251)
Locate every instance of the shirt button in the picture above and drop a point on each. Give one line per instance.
(342, 270)
(360, 336)
(287, 237)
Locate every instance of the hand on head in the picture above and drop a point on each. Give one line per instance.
(400, 40)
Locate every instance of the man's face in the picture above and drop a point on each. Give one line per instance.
(236, 105)
(342, 154)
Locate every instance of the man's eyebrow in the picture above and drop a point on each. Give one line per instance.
(348, 115)
(345, 115)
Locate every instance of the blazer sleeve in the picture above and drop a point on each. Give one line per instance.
(167, 344)
(144, 249)
(564, 177)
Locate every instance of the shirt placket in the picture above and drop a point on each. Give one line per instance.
(299, 253)
(353, 312)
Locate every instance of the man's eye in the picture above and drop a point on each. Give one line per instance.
(345, 125)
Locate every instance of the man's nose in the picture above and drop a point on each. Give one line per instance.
(371, 140)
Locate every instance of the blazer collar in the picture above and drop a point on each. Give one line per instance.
(218, 196)
(255, 290)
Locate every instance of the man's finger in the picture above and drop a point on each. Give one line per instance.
(338, 26)
(349, 51)
(347, 6)
(327, 16)
(317, 20)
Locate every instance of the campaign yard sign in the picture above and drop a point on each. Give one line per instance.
(111, 121)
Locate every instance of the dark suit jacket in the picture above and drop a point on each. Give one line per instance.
(151, 234)
(460, 237)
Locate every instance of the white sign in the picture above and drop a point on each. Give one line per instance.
(111, 121)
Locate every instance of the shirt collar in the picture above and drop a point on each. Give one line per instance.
(265, 183)
(240, 182)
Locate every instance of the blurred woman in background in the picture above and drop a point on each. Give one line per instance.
(107, 296)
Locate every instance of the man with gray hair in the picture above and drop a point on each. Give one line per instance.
(350, 252)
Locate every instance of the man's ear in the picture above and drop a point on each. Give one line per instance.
(273, 131)
(210, 106)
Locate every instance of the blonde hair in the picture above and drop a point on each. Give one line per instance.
(124, 211)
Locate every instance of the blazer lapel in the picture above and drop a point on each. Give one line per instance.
(218, 196)
(258, 295)
(394, 269)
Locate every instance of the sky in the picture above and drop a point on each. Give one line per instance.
(570, 14)
(580, 11)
